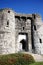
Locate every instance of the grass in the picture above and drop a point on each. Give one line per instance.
(16, 59)
(37, 63)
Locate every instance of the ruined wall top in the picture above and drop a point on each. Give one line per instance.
(20, 14)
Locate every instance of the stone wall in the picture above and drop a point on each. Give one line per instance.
(37, 43)
(12, 24)
(7, 32)
(23, 25)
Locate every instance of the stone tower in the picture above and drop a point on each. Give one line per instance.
(20, 32)
(7, 27)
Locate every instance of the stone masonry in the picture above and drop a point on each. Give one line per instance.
(13, 26)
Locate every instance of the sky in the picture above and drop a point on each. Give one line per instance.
(24, 6)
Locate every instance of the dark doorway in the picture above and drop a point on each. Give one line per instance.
(24, 42)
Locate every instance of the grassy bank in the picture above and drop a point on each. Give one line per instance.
(16, 59)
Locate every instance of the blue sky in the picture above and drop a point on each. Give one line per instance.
(24, 6)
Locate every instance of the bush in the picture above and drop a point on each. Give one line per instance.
(16, 59)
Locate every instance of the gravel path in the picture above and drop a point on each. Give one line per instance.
(38, 58)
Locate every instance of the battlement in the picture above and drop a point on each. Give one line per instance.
(20, 14)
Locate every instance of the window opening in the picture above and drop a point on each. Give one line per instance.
(7, 23)
(40, 40)
(8, 11)
(34, 27)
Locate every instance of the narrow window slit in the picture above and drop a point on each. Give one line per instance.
(8, 23)
(34, 27)
(40, 40)
(23, 28)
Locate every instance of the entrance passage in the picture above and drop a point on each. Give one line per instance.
(23, 39)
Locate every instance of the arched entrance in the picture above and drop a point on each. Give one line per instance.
(23, 41)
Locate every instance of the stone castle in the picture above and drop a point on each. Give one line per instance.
(20, 32)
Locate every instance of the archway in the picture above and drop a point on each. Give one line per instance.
(23, 41)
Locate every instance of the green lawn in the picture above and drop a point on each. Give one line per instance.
(18, 59)
(37, 63)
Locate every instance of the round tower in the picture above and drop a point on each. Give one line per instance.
(7, 34)
(37, 39)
